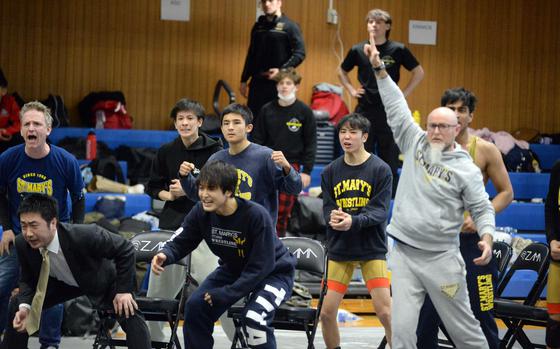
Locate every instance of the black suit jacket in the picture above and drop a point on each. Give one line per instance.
(100, 261)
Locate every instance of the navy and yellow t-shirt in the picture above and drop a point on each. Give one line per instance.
(363, 191)
(55, 175)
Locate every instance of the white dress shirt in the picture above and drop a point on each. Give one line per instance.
(59, 268)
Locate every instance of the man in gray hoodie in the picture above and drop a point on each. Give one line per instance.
(438, 183)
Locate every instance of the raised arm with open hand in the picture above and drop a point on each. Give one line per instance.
(371, 51)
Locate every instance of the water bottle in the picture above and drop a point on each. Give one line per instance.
(1, 232)
(502, 234)
(346, 316)
(91, 146)
(510, 230)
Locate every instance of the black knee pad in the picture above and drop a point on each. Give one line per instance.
(553, 333)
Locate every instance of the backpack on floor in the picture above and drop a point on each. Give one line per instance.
(113, 114)
(301, 297)
(330, 102)
(107, 167)
(129, 227)
(307, 218)
(111, 206)
(521, 160)
(80, 318)
(139, 162)
(107, 102)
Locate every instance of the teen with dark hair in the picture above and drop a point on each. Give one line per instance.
(191, 146)
(466, 99)
(241, 110)
(288, 125)
(254, 261)
(356, 196)
(191, 149)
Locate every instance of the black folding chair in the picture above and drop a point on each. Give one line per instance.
(311, 257)
(502, 254)
(515, 315)
(147, 245)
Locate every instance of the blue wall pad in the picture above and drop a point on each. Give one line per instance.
(526, 186)
(548, 154)
(522, 216)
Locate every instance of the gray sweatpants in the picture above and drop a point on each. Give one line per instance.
(442, 275)
(170, 283)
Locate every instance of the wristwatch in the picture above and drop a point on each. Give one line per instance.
(380, 68)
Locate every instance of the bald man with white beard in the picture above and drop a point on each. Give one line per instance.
(438, 183)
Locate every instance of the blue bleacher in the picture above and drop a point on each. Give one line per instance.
(134, 203)
(526, 186)
(116, 137)
(527, 218)
(523, 216)
(316, 175)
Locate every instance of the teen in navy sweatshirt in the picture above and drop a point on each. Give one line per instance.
(356, 196)
(252, 260)
(261, 171)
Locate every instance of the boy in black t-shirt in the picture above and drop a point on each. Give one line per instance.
(356, 197)
(288, 125)
(253, 260)
(394, 54)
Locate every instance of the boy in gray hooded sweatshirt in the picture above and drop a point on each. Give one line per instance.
(438, 183)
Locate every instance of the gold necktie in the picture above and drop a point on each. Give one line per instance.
(34, 317)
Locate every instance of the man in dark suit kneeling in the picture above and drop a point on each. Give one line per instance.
(62, 261)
